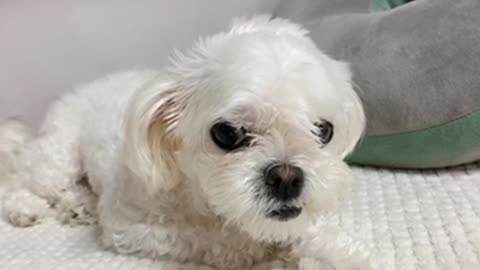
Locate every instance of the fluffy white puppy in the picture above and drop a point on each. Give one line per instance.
(230, 157)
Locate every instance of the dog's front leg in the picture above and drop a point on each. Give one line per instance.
(145, 240)
(329, 248)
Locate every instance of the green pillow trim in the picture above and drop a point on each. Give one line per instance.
(381, 5)
(437, 146)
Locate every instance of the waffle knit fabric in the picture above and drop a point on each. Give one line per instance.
(425, 220)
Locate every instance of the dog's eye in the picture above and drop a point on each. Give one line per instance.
(228, 137)
(324, 131)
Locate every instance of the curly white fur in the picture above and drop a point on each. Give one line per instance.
(133, 152)
(13, 136)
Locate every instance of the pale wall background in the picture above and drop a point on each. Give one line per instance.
(49, 46)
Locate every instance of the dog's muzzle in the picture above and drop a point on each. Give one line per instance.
(283, 183)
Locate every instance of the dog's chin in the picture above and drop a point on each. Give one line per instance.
(284, 213)
(281, 225)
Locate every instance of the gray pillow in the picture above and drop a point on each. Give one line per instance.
(417, 70)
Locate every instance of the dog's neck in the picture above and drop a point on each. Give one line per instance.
(186, 211)
(178, 205)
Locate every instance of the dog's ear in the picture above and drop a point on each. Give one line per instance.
(151, 135)
(350, 119)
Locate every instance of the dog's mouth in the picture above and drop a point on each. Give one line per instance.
(285, 213)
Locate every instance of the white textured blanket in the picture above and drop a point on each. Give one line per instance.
(425, 220)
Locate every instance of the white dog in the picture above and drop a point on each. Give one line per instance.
(231, 157)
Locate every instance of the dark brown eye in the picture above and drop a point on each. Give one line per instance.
(228, 137)
(324, 131)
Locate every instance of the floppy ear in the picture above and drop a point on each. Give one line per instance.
(350, 119)
(151, 137)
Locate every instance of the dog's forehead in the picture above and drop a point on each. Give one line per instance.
(255, 76)
(295, 89)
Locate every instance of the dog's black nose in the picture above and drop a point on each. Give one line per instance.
(284, 181)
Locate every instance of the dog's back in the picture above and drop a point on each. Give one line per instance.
(80, 136)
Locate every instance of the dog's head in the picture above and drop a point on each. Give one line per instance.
(256, 123)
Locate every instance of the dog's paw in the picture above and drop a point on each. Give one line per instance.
(330, 248)
(23, 219)
(75, 208)
(276, 265)
(313, 264)
(316, 264)
(77, 215)
(23, 209)
(353, 262)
